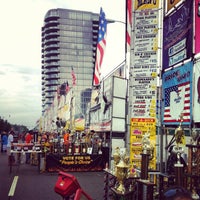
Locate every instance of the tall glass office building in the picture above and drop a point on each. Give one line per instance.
(69, 40)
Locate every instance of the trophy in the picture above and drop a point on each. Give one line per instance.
(179, 134)
(194, 162)
(194, 137)
(122, 173)
(178, 149)
(147, 154)
(116, 157)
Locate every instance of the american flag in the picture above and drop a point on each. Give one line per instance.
(128, 24)
(101, 44)
(73, 77)
(169, 104)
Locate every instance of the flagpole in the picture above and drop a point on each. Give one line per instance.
(73, 100)
(72, 127)
(127, 34)
(128, 29)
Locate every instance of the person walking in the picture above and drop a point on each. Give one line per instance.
(9, 145)
(28, 139)
(4, 142)
(66, 137)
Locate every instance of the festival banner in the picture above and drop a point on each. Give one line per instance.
(197, 26)
(69, 163)
(178, 35)
(171, 4)
(196, 115)
(177, 95)
(143, 4)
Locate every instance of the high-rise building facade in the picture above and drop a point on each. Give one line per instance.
(69, 39)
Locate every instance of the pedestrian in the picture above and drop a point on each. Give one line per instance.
(10, 141)
(9, 145)
(28, 139)
(4, 142)
(94, 140)
(44, 138)
(66, 137)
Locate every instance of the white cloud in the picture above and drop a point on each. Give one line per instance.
(20, 49)
(20, 95)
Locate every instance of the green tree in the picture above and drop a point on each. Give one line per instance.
(6, 126)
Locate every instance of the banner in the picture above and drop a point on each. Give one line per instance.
(197, 26)
(177, 94)
(75, 163)
(178, 35)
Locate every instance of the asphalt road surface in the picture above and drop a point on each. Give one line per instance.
(33, 185)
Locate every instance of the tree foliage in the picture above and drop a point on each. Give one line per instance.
(6, 126)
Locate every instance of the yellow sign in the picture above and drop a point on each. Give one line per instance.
(143, 4)
(140, 126)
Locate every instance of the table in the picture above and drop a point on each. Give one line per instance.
(19, 156)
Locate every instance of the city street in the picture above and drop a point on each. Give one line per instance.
(32, 185)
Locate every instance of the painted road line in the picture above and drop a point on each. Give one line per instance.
(13, 187)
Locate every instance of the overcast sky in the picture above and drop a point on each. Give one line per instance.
(20, 51)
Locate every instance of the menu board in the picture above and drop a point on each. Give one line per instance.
(143, 84)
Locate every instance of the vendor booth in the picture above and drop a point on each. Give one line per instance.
(79, 153)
